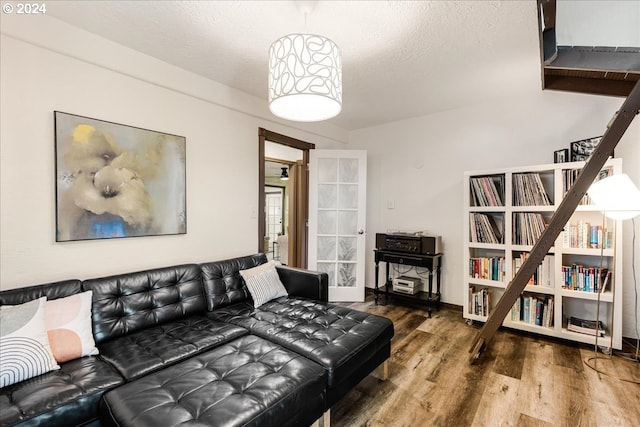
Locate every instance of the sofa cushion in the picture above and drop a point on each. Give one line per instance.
(223, 284)
(338, 338)
(263, 283)
(246, 382)
(131, 302)
(66, 397)
(24, 344)
(142, 352)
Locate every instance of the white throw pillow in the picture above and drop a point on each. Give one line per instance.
(69, 327)
(24, 344)
(263, 283)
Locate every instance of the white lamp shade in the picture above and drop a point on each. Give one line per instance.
(616, 196)
(305, 78)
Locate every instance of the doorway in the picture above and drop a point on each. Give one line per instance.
(275, 152)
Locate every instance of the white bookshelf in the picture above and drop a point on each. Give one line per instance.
(566, 302)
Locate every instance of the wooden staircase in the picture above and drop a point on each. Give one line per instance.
(597, 70)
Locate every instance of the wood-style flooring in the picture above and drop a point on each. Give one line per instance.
(520, 379)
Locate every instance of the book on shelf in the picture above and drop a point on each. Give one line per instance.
(534, 310)
(492, 268)
(487, 190)
(480, 301)
(543, 276)
(527, 227)
(583, 326)
(583, 235)
(569, 176)
(529, 191)
(484, 229)
(577, 277)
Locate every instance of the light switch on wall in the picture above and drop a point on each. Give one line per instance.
(391, 204)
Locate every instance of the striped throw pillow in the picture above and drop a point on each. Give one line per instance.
(263, 283)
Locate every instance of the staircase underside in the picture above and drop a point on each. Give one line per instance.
(609, 71)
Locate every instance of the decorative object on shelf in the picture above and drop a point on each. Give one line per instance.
(581, 150)
(561, 156)
(284, 176)
(305, 78)
(114, 180)
(583, 326)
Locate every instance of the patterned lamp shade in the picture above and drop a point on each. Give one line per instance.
(305, 78)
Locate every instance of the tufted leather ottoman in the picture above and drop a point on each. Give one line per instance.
(348, 343)
(248, 381)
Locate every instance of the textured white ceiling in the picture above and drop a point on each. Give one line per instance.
(400, 58)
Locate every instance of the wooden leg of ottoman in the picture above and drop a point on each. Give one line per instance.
(382, 371)
(324, 420)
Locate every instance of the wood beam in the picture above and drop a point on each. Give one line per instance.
(617, 127)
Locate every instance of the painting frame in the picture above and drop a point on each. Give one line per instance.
(582, 149)
(114, 180)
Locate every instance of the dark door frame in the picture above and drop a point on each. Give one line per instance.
(302, 198)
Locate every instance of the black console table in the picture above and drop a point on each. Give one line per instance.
(432, 262)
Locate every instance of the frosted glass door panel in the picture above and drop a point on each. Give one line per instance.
(326, 249)
(327, 222)
(337, 188)
(348, 196)
(347, 248)
(348, 170)
(327, 196)
(327, 170)
(346, 275)
(347, 222)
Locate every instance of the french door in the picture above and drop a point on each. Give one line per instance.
(337, 217)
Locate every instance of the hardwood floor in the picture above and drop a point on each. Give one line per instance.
(520, 380)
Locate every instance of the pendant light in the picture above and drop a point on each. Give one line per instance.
(284, 176)
(305, 78)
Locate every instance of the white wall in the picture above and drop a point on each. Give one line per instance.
(47, 65)
(418, 165)
(598, 23)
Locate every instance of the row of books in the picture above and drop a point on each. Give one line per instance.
(484, 229)
(584, 326)
(584, 235)
(570, 175)
(529, 191)
(587, 279)
(543, 275)
(527, 227)
(534, 310)
(487, 268)
(487, 191)
(480, 301)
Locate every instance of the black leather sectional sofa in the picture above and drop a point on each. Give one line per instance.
(183, 345)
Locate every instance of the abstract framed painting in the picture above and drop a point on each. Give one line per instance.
(114, 180)
(581, 150)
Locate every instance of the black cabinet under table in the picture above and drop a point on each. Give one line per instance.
(431, 262)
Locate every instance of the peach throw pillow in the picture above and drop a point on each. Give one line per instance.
(69, 327)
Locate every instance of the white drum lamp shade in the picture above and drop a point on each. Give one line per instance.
(616, 196)
(305, 78)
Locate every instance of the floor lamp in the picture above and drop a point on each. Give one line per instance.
(619, 199)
